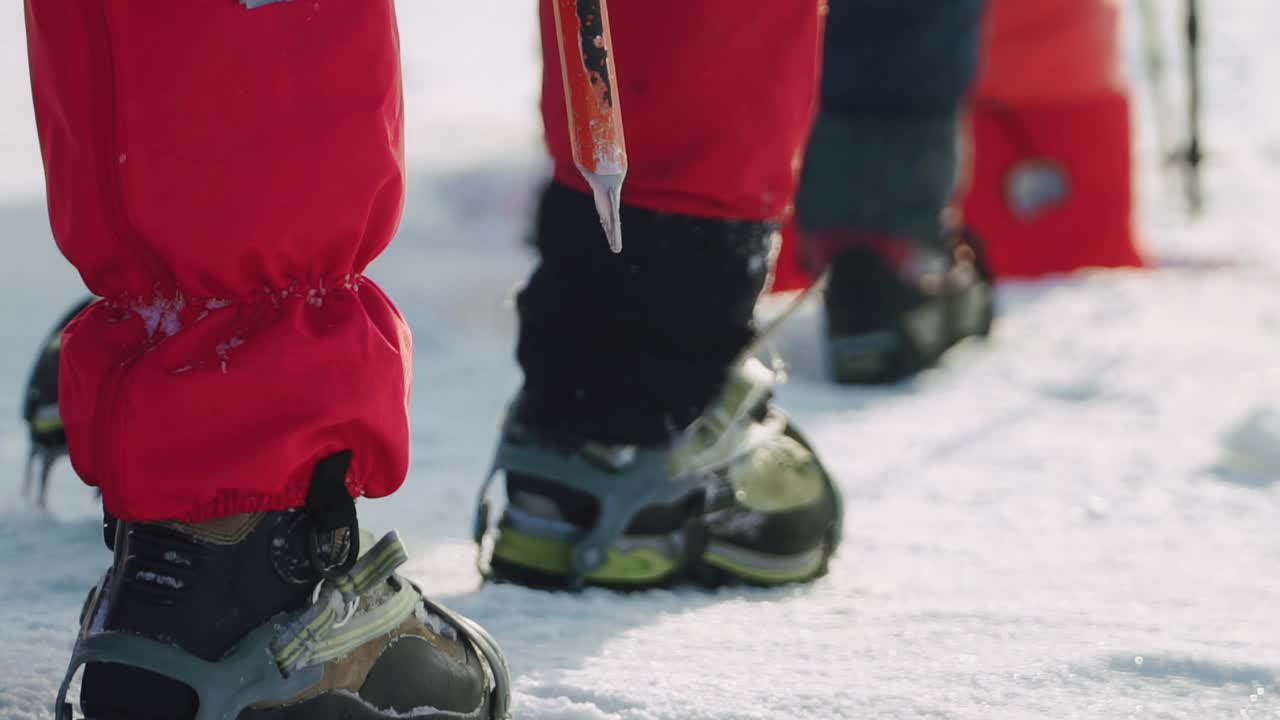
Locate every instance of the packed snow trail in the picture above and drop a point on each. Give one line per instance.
(1076, 519)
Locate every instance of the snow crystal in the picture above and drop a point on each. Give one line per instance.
(177, 558)
(609, 159)
(435, 622)
(161, 315)
(159, 579)
(315, 296)
(223, 349)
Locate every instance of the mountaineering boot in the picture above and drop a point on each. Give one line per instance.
(737, 497)
(893, 308)
(644, 447)
(40, 411)
(872, 209)
(275, 616)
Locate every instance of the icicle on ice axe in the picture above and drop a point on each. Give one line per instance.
(591, 97)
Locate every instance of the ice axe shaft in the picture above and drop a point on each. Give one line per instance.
(591, 97)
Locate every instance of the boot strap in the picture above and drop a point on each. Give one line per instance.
(330, 628)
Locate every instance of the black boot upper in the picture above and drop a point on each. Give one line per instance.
(627, 348)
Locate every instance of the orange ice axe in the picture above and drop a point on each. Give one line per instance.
(591, 96)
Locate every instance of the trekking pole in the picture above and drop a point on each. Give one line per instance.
(1193, 155)
(591, 97)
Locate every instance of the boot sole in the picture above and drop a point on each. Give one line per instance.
(637, 564)
(917, 343)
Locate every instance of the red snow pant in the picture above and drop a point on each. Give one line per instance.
(222, 177)
(717, 96)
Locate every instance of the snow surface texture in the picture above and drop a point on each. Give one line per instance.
(1078, 519)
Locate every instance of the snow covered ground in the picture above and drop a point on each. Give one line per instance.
(1077, 519)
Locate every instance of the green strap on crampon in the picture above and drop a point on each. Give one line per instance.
(279, 660)
(322, 633)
